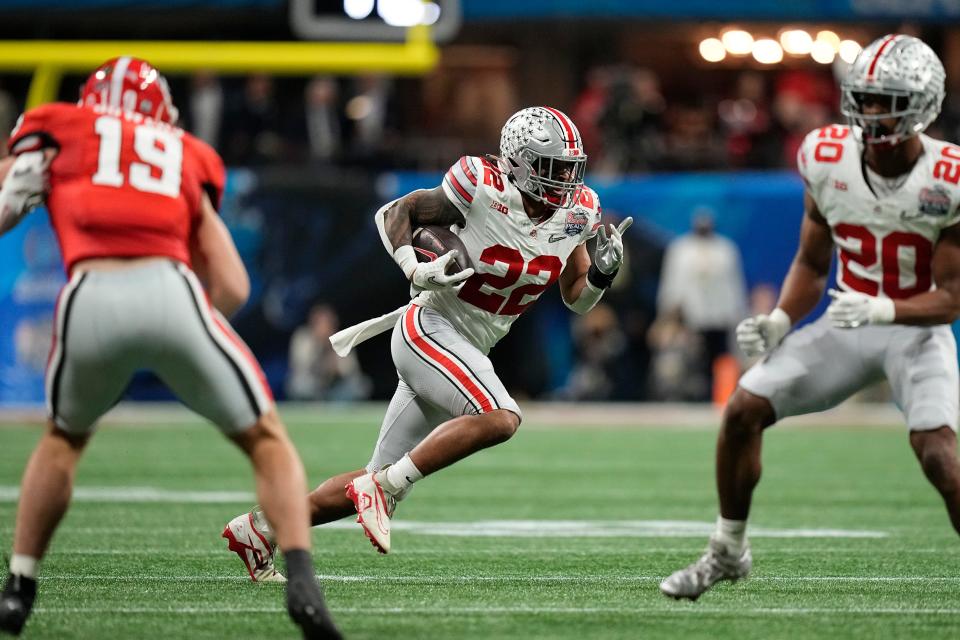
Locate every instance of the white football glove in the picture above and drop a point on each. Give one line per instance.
(433, 276)
(608, 255)
(25, 186)
(851, 309)
(759, 334)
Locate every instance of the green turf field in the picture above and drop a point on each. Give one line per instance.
(140, 556)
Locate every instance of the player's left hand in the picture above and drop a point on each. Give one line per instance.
(851, 309)
(609, 252)
(26, 184)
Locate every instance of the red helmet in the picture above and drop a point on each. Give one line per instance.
(130, 84)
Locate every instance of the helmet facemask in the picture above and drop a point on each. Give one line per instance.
(555, 181)
(911, 111)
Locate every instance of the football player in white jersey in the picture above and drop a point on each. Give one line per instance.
(886, 196)
(524, 219)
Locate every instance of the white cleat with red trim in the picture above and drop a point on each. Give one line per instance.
(374, 507)
(253, 547)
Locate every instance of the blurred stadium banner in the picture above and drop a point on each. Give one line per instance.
(301, 255)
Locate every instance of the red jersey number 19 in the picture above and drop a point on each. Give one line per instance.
(160, 155)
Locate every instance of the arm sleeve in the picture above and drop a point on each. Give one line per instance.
(460, 183)
(213, 175)
(34, 131)
(808, 167)
(588, 198)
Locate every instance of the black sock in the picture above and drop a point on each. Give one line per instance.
(25, 588)
(299, 564)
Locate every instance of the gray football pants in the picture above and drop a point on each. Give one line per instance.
(442, 376)
(152, 316)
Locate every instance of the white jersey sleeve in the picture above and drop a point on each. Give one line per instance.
(460, 183)
(589, 203)
(818, 154)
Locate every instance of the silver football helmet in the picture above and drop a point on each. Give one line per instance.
(542, 153)
(903, 75)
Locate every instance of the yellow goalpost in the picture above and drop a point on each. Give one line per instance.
(50, 59)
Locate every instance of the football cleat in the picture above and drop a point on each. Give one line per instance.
(716, 564)
(16, 603)
(374, 507)
(306, 608)
(253, 547)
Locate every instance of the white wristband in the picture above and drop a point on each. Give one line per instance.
(780, 318)
(882, 311)
(589, 297)
(406, 257)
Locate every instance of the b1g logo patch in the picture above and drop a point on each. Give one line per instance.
(934, 201)
(576, 222)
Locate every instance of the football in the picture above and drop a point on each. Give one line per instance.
(431, 242)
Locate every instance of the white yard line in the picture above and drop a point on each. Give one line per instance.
(537, 415)
(665, 609)
(66, 550)
(447, 579)
(471, 529)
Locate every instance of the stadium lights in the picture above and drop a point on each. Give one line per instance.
(830, 38)
(849, 50)
(767, 51)
(712, 50)
(737, 42)
(824, 48)
(796, 42)
(406, 13)
(358, 9)
(823, 52)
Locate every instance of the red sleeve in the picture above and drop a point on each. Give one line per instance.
(213, 175)
(35, 129)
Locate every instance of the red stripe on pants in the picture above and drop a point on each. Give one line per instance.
(445, 362)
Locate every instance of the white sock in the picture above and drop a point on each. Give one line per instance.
(401, 476)
(21, 565)
(732, 532)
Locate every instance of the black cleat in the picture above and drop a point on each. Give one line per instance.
(16, 603)
(307, 608)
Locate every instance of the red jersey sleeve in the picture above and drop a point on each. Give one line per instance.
(213, 175)
(36, 129)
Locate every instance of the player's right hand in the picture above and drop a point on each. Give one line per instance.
(433, 276)
(760, 333)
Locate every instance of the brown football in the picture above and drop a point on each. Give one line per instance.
(431, 242)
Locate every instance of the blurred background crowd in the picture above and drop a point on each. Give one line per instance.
(691, 126)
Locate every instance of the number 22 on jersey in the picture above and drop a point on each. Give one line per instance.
(492, 302)
(159, 155)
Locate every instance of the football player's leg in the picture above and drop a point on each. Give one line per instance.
(370, 492)
(407, 421)
(448, 372)
(922, 369)
(84, 379)
(213, 372)
(814, 369)
(44, 497)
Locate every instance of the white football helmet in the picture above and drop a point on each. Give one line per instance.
(903, 74)
(542, 153)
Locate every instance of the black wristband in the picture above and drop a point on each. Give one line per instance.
(599, 279)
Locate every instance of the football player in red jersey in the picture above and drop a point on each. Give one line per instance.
(152, 274)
